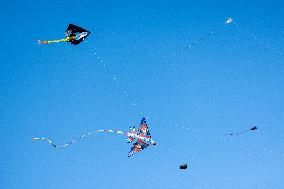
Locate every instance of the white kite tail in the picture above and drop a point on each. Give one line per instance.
(79, 138)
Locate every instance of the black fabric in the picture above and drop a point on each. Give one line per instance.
(254, 128)
(75, 29)
(72, 30)
(183, 166)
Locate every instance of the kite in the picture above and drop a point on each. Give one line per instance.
(141, 138)
(74, 35)
(244, 131)
(183, 166)
(229, 20)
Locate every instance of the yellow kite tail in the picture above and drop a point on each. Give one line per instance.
(52, 41)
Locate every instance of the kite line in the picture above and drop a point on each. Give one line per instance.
(119, 85)
(195, 43)
(201, 39)
(264, 43)
(231, 140)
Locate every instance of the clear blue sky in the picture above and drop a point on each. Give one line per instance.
(228, 83)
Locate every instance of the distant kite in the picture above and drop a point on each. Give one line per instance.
(74, 35)
(244, 131)
(142, 138)
(183, 166)
(229, 20)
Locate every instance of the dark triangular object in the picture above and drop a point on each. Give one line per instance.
(73, 30)
(183, 166)
(254, 128)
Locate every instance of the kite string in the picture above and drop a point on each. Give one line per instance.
(231, 140)
(196, 43)
(267, 45)
(201, 39)
(220, 138)
(123, 89)
(119, 85)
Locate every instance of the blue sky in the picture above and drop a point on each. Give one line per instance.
(227, 83)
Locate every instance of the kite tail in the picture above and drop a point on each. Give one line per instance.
(48, 140)
(79, 138)
(44, 42)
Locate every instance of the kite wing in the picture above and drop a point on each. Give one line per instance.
(144, 129)
(137, 147)
(131, 134)
(76, 33)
